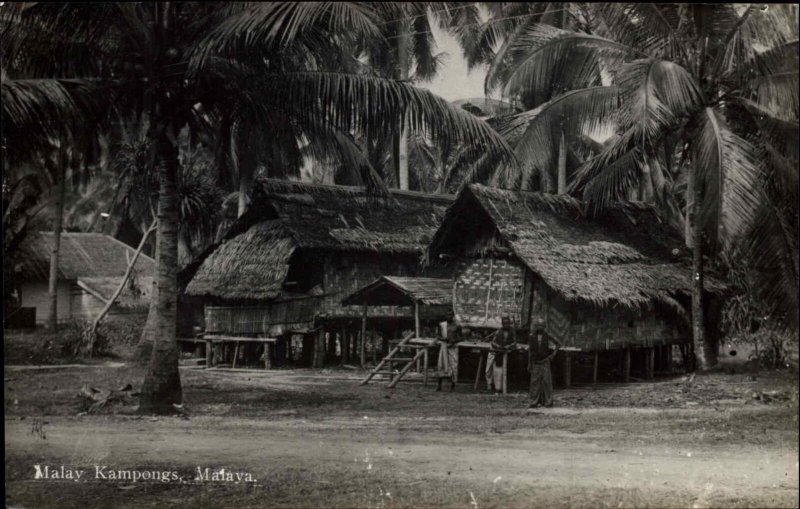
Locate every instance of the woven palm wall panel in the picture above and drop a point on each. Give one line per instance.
(488, 289)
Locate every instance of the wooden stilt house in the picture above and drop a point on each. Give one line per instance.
(610, 288)
(285, 266)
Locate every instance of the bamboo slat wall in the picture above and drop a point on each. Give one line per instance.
(267, 319)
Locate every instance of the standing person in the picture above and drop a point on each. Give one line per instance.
(447, 365)
(503, 339)
(539, 357)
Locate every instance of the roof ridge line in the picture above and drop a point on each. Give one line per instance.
(360, 189)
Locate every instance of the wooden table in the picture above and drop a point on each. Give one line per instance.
(212, 340)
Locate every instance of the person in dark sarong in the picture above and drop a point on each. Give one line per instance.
(539, 357)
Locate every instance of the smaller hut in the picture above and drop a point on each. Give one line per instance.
(431, 301)
(430, 298)
(90, 268)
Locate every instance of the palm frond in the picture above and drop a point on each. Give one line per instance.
(652, 28)
(655, 94)
(610, 175)
(549, 49)
(728, 167)
(278, 24)
(39, 112)
(370, 105)
(776, 93)
(574, 113)
(772, 248)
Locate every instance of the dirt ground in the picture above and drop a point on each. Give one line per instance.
(317, 439)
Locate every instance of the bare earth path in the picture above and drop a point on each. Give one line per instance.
(354, 447)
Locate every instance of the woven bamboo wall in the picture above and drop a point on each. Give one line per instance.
(487, 289)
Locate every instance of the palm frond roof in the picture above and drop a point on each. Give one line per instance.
(628, 256)
(253, 260)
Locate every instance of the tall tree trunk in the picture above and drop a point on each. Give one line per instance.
(162, 385)
(58, 223)
(562, 165)
(246, 172)
(646, 183)
(704, 352)
(401, 157)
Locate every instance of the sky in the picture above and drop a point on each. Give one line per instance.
(454, 81)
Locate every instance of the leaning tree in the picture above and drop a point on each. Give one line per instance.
(177, 61)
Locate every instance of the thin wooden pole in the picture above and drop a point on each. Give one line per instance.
(209, 353)
(374, 347)
(668, 359)
(416, 319)
(425, 367)
(364, 337)
(567, 370)
(505, 372)
(345, 346)
(626, 365)
(235, 354)
(594, 367)
(267, 355)
(480, 371)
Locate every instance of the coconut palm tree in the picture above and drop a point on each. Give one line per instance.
(704, 101)
(175, 61)
(62, 149)
(497, 42)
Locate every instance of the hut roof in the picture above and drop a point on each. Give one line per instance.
(627, 256)
(81, 255)
(253, 260)
(135, 294)
(403, 291)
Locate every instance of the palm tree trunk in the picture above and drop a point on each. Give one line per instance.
(401, 161)
(58, 222)
(704, 352)
(161, 388)
(562, 165)
(246, 173)
(646, 183)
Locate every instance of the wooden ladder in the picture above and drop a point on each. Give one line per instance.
(391, 359)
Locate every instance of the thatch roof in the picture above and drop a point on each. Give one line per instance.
(403, 291)
(253, 260)
(81, 255)
(628, 256)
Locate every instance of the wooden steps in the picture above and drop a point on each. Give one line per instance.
(420, 349)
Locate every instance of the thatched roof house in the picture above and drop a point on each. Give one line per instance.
(90, 267)
(302, 247)
(533, 253)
